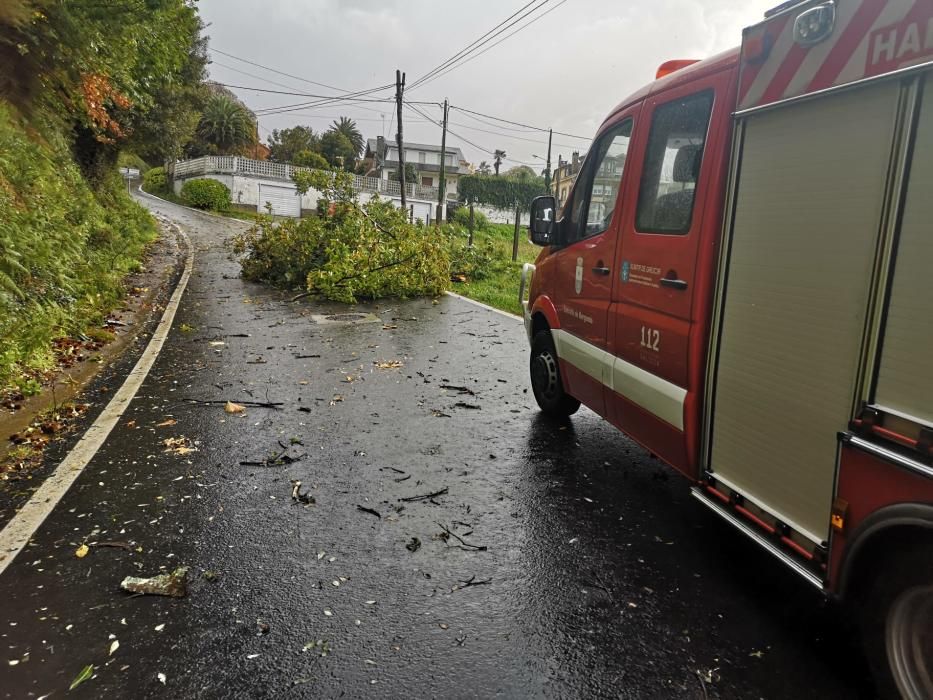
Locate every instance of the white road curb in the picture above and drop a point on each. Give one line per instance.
(484, 306)
(24, 524)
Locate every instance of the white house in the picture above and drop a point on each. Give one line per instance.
(424, 158)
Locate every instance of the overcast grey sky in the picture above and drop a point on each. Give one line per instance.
(565, 71)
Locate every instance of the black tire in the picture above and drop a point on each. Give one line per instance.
(896, 615)
(546, 382)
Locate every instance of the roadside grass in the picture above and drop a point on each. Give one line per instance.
(497, 283)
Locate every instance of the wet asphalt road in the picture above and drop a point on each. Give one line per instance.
(599, 577)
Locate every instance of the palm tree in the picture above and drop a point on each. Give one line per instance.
(227, 124)
(497, 159)
(347, 127)
(483, 168)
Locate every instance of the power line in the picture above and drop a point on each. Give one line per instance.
(274, 70)
(529, 126)
(347, 96)
(252, 75)
(477, 55)
(470, 48)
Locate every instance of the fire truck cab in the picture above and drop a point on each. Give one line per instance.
(740, 280)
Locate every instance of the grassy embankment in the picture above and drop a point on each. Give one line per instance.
(498, 284)
(65, 247)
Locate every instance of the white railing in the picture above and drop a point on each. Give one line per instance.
(284, 171)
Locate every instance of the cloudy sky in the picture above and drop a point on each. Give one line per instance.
(565, 71)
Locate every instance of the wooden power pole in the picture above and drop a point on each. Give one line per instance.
(399, 91)
(547, 172)
(442, 185)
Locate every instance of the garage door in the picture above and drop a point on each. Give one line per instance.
(284, 200)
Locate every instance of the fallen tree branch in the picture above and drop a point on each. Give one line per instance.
(251, 404)
(425, 496)
(476, 547)
(371, 511)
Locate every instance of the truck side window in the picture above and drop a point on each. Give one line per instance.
(594, 197)
(672, 163)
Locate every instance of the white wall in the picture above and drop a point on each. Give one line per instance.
(501, 216)
(245, 190)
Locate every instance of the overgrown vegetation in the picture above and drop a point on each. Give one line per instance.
(155, 181)
(64, 247)
(83, 83)
(205, 193)
(350, 251)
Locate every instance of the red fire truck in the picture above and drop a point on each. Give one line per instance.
(741, 280)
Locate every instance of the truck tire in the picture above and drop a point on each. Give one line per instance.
(546, 382)
(897, 624)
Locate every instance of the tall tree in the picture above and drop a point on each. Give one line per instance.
(338, 150)
(227, 125)
(347, 127)
(483, 168)
(497, 159)
(286, 144)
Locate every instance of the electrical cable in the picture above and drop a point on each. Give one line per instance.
(477, 43)
(477, 55)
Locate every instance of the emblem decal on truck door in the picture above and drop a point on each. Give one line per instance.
(578, 278)
(626, 268)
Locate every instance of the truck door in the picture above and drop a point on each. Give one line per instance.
(585, 267)
(655, 281)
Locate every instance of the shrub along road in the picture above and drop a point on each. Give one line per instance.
(454, 543)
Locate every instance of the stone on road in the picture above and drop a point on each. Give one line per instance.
(453, 543)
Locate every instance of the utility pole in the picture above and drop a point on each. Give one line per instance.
(547, 173)
(442, 187)
(557, 183)
(399, 91)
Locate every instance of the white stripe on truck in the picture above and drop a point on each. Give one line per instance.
(654, 394)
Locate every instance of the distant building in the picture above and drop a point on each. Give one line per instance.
(424, 158)
(565, 174)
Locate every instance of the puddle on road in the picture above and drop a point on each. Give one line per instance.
(354, 318)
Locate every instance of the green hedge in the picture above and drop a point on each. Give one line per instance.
(205, 193)
(155, 181)
(500, 192)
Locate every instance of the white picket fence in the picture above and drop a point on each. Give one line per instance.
(237, 165)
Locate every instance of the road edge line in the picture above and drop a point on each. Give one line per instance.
(20, 529)
(484, 306)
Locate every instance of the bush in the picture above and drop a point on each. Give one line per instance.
(155, 181)
(461, 217)
(350, 251)
(310, 159)
(205, 193)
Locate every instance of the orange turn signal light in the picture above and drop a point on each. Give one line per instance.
(669, 67)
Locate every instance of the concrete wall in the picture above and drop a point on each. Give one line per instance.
(245, 190)
(501, 216)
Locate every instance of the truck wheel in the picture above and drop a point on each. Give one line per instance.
(545, 378)
(897, 626)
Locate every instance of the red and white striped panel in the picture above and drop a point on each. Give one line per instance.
(869, 38)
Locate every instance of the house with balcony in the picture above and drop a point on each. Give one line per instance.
(565, 174)
(424, 158)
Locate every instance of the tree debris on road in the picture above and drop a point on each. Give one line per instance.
(425, 496)
(300, 497)
(174, 585)
(371, 511)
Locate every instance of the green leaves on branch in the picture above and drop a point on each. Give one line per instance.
(500, 192)
(350, 251)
